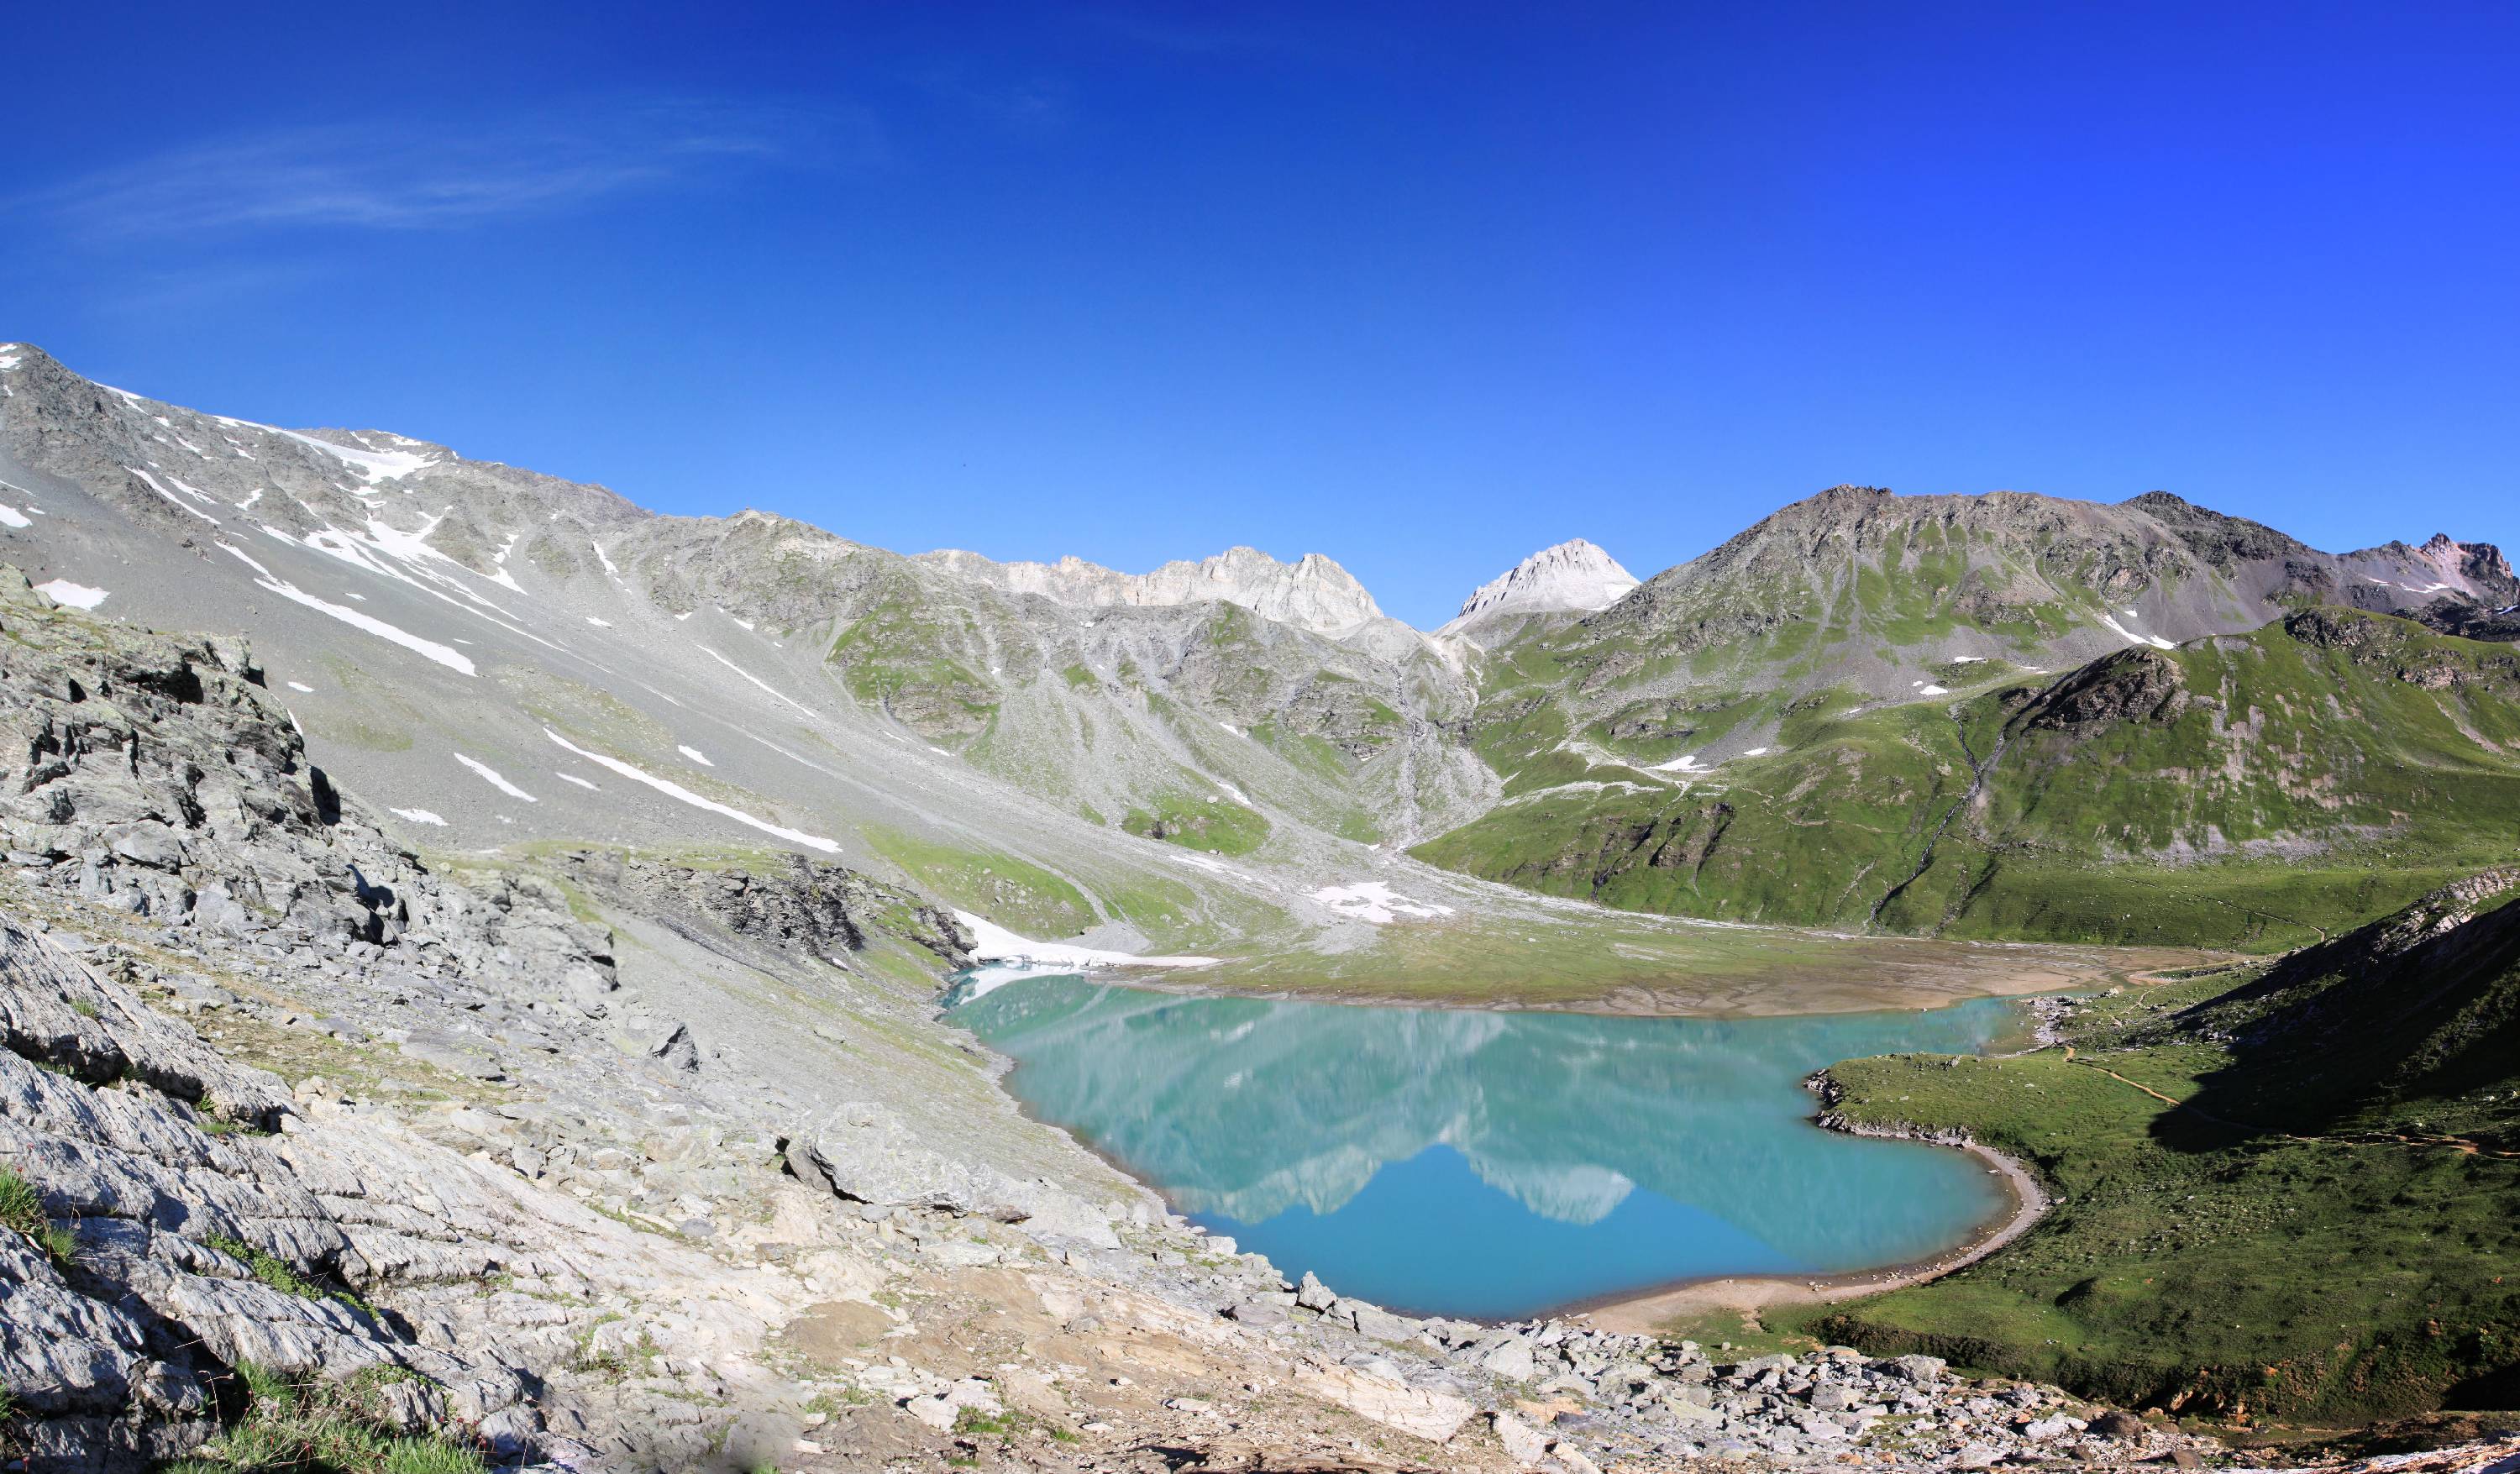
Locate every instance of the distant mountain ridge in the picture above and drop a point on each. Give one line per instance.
(1313, 593)
(1038, 713)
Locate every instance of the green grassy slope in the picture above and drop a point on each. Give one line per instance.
(2325, 1231)
(2254, 791)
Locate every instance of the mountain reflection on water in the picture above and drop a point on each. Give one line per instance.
(1493, 1164)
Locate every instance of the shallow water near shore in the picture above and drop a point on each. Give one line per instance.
(1495, 1165)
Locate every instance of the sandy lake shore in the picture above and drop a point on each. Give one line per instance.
(1645, 1313)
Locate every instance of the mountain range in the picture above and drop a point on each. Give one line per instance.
(2003, 716)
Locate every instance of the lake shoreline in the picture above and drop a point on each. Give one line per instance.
(1639, 1001)
(1645, 1313)
(1641, 1307)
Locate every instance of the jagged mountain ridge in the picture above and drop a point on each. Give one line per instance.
(1885, 598)
(2009, 574)
(1313, 593)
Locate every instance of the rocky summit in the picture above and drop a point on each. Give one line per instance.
(472, 956)
(1572, 578)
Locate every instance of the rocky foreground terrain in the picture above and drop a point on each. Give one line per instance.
(597, 1161)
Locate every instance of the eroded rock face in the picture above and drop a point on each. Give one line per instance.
(812, 905)
(153, 775)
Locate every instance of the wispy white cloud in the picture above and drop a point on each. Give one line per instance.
(192, 284)
(1036, 106)
(1192, 32)
(408, 176)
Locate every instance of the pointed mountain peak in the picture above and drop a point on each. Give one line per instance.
(1574, 575)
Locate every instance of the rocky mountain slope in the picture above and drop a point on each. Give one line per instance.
(2247, 789)
(507, 659)
(2008, 716)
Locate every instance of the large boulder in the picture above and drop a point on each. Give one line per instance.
(865, 1152)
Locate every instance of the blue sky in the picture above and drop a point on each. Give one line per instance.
(1421, 288)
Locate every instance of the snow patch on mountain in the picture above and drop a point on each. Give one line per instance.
(372, 465)
(77, 595)
(749, 676)
(1375, 901)
(173, 500)
(1018, 957)
(452, 659)
(2132, 638)
(675, 790)
(491, 775)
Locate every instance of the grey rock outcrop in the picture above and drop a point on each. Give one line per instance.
(864, 1153)
(129, 1132)
(804, 907)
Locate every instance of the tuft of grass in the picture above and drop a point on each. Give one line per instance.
(221, 1125)
(278, 1273)
(620, 1361)
(1214, 824)
(211, 1119)
(324, 1428)
(1006, 1423)
(1011, 891)
(21, 1211)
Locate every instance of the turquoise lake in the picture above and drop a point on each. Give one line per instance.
(1447, 1161)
